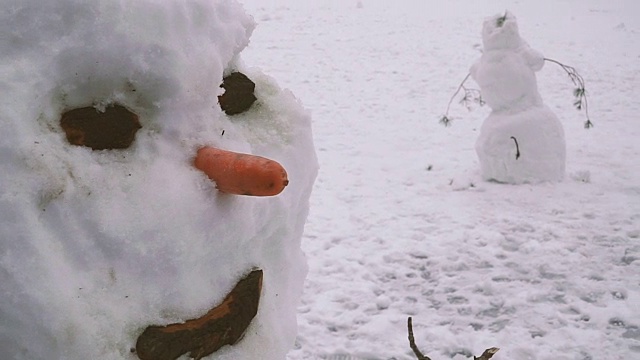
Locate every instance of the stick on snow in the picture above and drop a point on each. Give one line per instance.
(486, 355)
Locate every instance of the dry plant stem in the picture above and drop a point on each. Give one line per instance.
(445, 118)
(487, 354)
(460, 87)
(580, 92)
(412, 342)
(470, 96)
(517, 147)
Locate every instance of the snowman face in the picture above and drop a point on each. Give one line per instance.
(501, 32)
(99, 242)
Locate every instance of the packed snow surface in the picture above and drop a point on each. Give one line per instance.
(401, 223)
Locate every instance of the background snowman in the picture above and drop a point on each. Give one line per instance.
(522, 140)
(113, 244)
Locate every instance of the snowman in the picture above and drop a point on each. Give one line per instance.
(522, 140)
(154, 188)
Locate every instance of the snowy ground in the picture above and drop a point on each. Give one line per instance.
(401, 225)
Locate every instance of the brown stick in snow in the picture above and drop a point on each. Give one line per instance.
(486, 355)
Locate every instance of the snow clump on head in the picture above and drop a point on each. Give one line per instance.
(501, 32)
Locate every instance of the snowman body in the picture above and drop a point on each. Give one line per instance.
(522, 140)
(98, 245)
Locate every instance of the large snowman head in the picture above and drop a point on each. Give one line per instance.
(97, 244)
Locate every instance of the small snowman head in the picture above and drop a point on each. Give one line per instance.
(501, 32)
(506, 70)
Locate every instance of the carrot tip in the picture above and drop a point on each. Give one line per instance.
(241, 174)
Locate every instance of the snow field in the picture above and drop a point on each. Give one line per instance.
(401, 223)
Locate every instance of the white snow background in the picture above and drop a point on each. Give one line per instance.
(400, 224)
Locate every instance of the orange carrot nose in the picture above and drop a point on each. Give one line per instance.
(241, 174)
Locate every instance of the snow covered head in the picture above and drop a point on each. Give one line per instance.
(99, 243)
(506, 70)
(501, 32)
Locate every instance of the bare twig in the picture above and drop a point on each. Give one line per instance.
(579, 92)
(517, 147)
(487, 354)
(412, 342)
(470, 96)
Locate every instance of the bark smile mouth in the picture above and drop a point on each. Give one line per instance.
(224, 324)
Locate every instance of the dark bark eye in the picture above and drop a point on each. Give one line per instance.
(238, 95)
(115, 128)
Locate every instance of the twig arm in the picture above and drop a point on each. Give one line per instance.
(445, 119)
(579, 92)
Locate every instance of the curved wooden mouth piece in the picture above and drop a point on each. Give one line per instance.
(223, 325)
